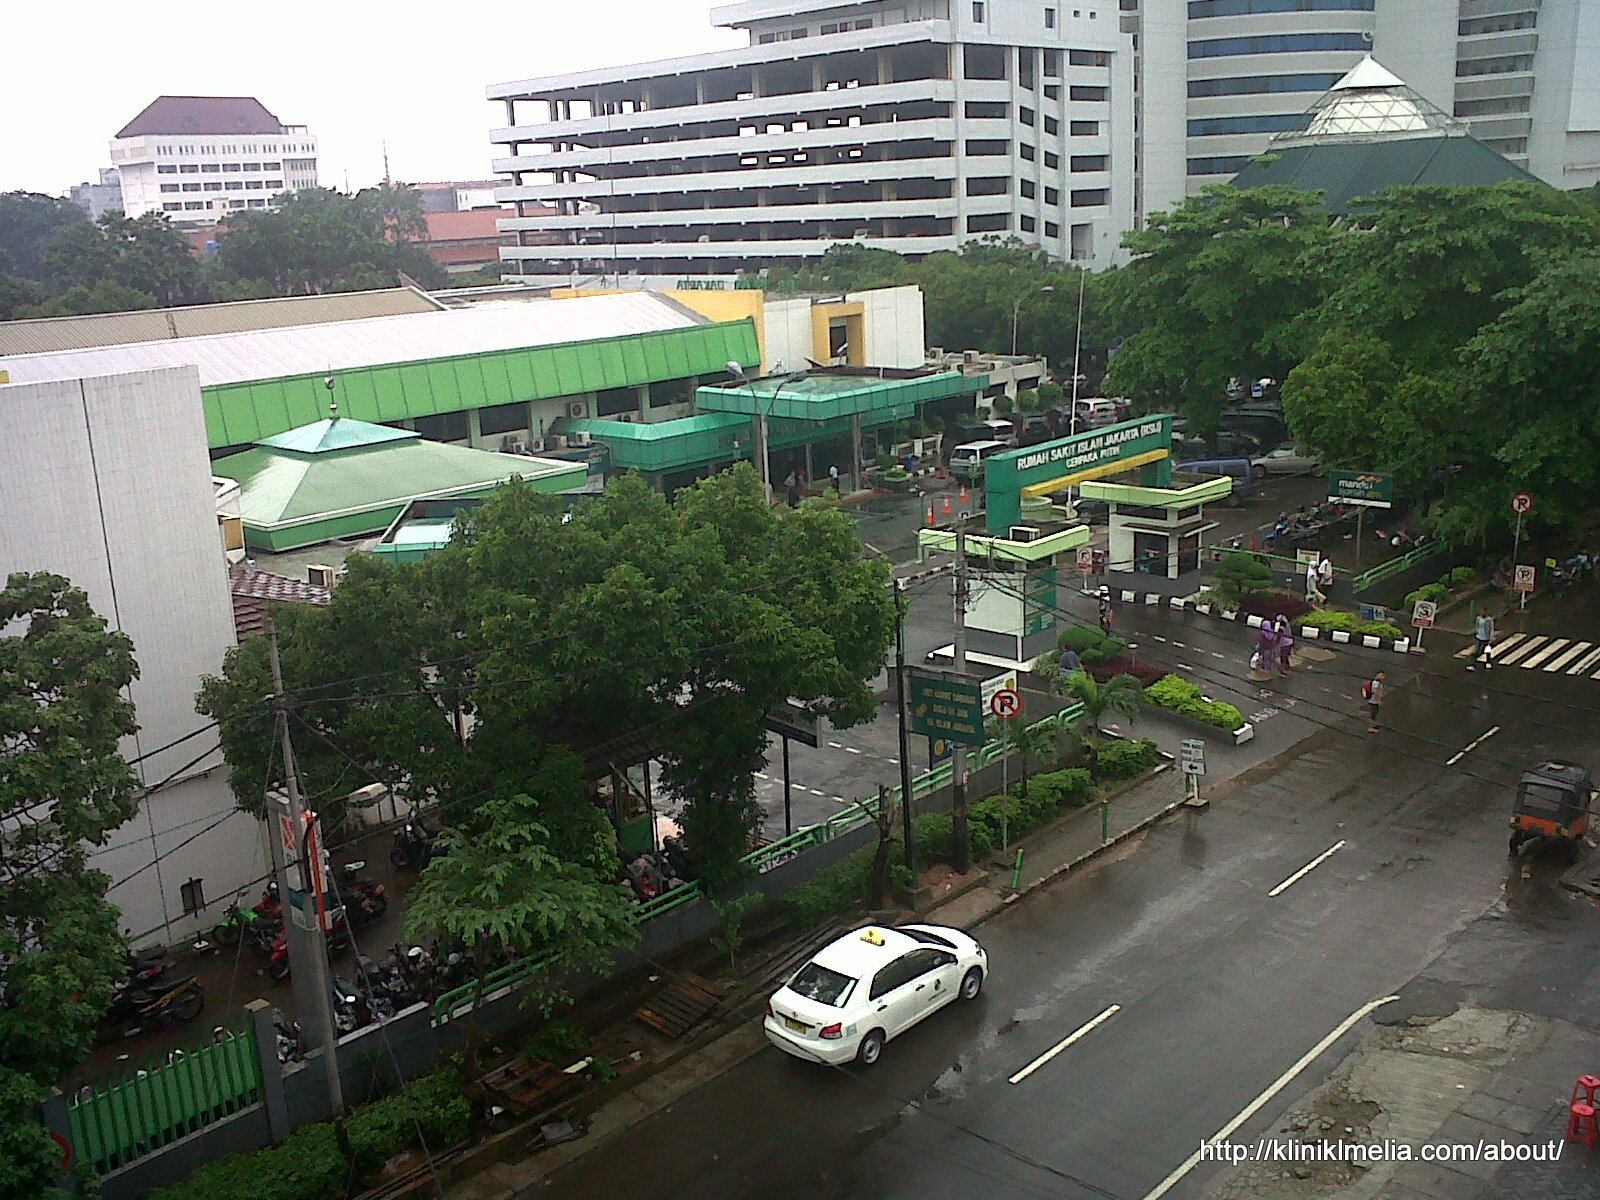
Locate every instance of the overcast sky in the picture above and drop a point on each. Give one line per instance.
(357, 73)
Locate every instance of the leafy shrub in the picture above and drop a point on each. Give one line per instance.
(1460, 577)
(936, 835)
(884, 461)
(1434, 592)
(1124, 760)
(1180, 696)
(830, 891)
(1272, 604)
(435, 1106)
(1353, 624)
(1095, 648)
(1071, 787)
(1238, 575)
(1124, 664)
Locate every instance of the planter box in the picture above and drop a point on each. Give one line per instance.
(1237, 737)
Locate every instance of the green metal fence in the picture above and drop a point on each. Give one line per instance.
(449, 1005)
(1394, 566)
(114, 1124)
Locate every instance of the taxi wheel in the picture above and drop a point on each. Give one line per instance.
(971, 984)
(871, 1048)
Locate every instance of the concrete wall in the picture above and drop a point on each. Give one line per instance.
(107, 481)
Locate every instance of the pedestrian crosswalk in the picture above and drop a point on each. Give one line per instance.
(1536, 652)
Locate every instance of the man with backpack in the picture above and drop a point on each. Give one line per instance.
(1483, 630)
(1372, 692)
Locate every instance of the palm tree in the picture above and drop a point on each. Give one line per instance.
(1020, 736)
(1120, 694)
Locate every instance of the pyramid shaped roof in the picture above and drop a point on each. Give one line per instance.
(336, 433)
(1371, 102)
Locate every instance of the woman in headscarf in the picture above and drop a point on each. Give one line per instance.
(1285, 637)
(1266, 654)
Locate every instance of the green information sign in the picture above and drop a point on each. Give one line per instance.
(1365, 489)
(1039, 601)
(947, 708)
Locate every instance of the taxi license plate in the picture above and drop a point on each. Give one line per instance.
(797, 1026)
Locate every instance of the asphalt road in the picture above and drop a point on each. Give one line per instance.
(1222, 986)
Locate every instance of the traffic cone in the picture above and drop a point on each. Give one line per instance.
(947, 509)
(963, 497)
(930, 512)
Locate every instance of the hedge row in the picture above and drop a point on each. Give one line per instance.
(1450, 581)
(1353, 624)
(309, 1166)
(1182, 697)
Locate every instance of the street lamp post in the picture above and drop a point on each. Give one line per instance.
(1077, 349)
(763, 461)
(1016, 311)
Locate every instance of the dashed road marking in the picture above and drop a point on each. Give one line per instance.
(1087, 1027)
(1472, 745)
(1307, 869)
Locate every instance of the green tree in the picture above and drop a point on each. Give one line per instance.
(145, 254)
(29, 222)
(1211, 287)
(318, 240)
(1120, 694)
(63, 787)
(502, 891)
(1035, 740)
(105, 296)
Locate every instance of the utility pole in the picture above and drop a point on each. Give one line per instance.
(958, 759)
(905, 737)
(312, 965)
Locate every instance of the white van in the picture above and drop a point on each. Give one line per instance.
(968, 460)
(1097, 411)
(1000, 430)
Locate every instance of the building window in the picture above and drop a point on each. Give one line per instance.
(1052, 230)
(166, 169)
(211, 168)
(1052, 91)
(253, 185)
(1025, 114)
(1278, 43)
(252, 166)
(1200, 9)
(1079, 92)
(226, 167)
(1089, 162)
(1027, 152)
(1052, 64)
(1029, 224)
(193, 896)
(611, 402)
(990, 185)
(987, 147)
(1086, 58)
(169, 207)
(987, 110)
(1231, 164)
(258, 204)
(989, 223)
(1084, 129)
(1028, 187)
(665, 392)
(446, 427)
(1052, 126)
(271, 166)
(194, 187)
(864, 23)
(1214, 126)
(503, 418)
(1255, 85)
(983, 62)
(1051, 161)
(1497, 106)
(1052, 197)
(1025, 65)
(1049, 18)
(977, 11)
(1088, 197)
(170, 187)
(1506, 64)
(234, 185)
(1504, 23)
(188, 168)
(191, 205)
(276, 185)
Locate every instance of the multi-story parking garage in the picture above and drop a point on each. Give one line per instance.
(909, 125)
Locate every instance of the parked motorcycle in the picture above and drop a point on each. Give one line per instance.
(338, 938)
(416, 844)
(135, 1009)
(247, 924)
(286, 1035)
(145, 968)
(365, 900)
(350, 1008)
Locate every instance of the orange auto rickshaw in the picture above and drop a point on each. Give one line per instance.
(1552, 803)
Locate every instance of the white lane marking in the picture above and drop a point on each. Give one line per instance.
(1277, 1085)
(893, 762)
(837, 745)
(1534, 660)
(840, 799)
(814, 791)
(851, 750)
(1588, 661)
(1507, 659)
(1467, 651)
(1307, 869)
(1110, 1011)
(1496, 649)
(1214, 654)
(760, 775)
(1472, 745)
(1556, 664)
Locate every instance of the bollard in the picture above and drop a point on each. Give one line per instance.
(1016, 873)
(1105, 821)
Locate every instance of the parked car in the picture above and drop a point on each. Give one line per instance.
(1285, 460)
(868, 987)
(1035, 429)
(967, 462)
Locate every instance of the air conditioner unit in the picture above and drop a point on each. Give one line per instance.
(321, 576)
(536, 446)
(513, 445)
(576, 409)
(625, 418)
(579, 437)
(1024, 533)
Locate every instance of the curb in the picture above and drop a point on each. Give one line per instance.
(1311, 632)
(1089, 855)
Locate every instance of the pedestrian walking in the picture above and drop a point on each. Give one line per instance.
(833, 476)
(1106, 615)
(1285, 636)
(1313, 589)
(1071, 664)
(1324, 575)
(1372, 692)
(1483, 630)
(1265, 658)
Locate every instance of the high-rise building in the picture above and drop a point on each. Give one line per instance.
(196, 158)
(910, 125)
(97, 199)
(1220, 77)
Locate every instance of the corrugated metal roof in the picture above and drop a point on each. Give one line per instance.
(312, 349)
(48, 335)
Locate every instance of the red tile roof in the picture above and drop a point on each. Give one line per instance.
(469, 223)
(201, 115)
(253, 588)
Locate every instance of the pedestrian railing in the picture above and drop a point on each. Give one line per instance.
(452, 1004)
(1394, 566)
(113, 1125)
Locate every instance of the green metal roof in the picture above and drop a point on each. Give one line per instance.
(239, 413)
(290, 498)
(1348, 171)
(828, 396)
(336, 433)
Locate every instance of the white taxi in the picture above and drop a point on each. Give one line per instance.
(869, 986)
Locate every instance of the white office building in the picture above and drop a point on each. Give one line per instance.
(909, 125)
(1220, 77)
(197, 158)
